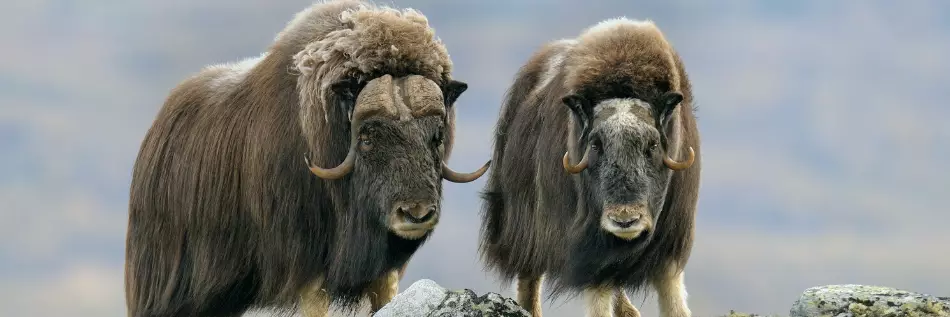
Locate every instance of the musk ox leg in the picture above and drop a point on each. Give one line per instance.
(600, 301)
(672, 293)
(623, 307)
(529, 294)
(314, 301)
(384, 289)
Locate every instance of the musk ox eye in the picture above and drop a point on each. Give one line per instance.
(438, 138)
(651, 148)
(365, 143)
(596, 146)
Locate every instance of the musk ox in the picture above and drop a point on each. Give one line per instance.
(617, 101)
(300, 179)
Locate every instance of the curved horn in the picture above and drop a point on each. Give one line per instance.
(337, 172)
(678, 166)
(574, 169)
(347, 166)
(456, 177)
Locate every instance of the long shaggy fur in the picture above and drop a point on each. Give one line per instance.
(540, 220)
(223, 213)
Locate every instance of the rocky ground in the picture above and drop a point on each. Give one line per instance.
(427, 298)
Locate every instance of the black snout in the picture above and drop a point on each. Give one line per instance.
(415, 212)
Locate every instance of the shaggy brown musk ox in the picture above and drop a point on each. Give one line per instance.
(230, 208)
(617, 101)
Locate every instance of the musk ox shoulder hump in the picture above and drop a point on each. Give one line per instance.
(224, 77)
(552, 64)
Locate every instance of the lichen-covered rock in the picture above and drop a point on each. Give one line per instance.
(867, 301)
(426, 298)
(465, 303)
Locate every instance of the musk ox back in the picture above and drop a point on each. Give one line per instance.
(596, 172)
(304, 177)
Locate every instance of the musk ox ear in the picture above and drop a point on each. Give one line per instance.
(578, 104)
(666, 104)
(346, 90)
(581, 107)
(453, 89)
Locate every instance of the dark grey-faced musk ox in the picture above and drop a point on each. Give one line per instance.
(596, 172)
(303, 178)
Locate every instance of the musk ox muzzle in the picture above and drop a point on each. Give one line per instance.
(413, 219)
(627, 221)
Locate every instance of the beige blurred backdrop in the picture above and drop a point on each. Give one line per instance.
(823, 122)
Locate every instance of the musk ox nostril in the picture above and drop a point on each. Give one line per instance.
(417, 213)
(426, 214)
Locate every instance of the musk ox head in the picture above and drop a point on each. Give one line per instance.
(626, 159)
(395, 160)
(386, 72)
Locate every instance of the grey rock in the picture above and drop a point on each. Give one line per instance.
(851, 300)
(427, 298)
(422, 296)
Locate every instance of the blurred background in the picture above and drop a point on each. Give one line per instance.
(823, 124)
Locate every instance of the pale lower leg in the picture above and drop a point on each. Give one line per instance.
(672, 294)
(314, 300)
(623, 307)
(600, 301)
(529, 294)
(383, 290)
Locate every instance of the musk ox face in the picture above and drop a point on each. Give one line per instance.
(397, 173)
(627, 171)
(395, 161)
